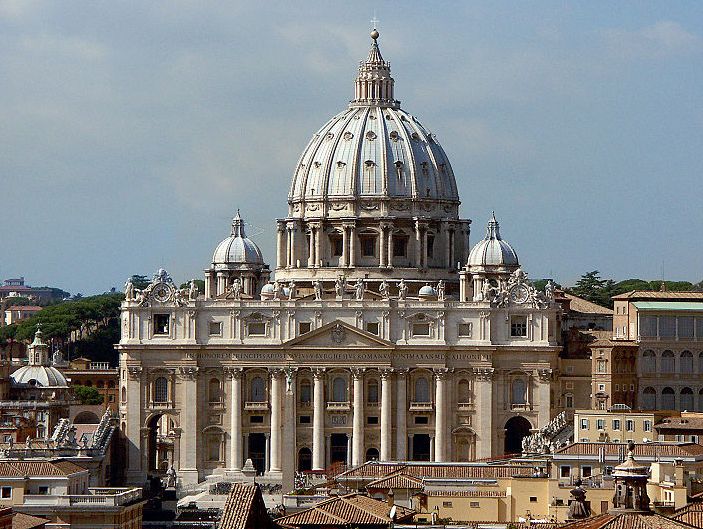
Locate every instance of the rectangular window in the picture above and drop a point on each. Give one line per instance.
(685, 327)
(586, 471)
(304, 327)
(533, 499)
(602, 366)
(336, 242)
(464, 330)
(256, 329)
(430, 246)
(648, 326)
(305, 419)
(400, 246)
(422, 420)
(679, 438)
(368, 246)
(474, 504)
(647, 426)
(667, 326)
(569, 401)
(256, 419)
(584, 424)
(5, 492)
(215, 328)
(421, 329)
(630, 425)
(694, 438)
(372, 327)
(616, 424)
(617, 387)
(447, 504)
(600, 424)
(43, 490)
(565, 471)
(601, 387)
(161, 323)
(518, 326)
(371, 420)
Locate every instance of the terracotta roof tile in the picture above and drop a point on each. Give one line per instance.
(58, 467)
(25, 521)
(467, 493)
(352, 509)
(656, 294)
(376, 470)
(680, 423)
(581, 305)
(641, 449)
(396, 480)
(245, 509)
(691, 514)
(627, 521)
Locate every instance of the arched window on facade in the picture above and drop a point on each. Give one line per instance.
(372, 454)
(124, 394)
(305, 392)
(649, 362)
(339, 390)
(372, 392)
(668, 362)
(519, 391)
(668, 399)
(304, 459)
(686, 399)
(215, 391)
(700, 400)
(258, 390)
(422, 390)
(161, 390)
(686, 362)
(649, 399)
(700, 363)
(464, 393)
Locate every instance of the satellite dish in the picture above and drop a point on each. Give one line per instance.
(392, 513)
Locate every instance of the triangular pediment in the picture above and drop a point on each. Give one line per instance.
(338, 334)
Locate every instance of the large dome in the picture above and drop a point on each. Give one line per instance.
(493, 251)
(375, 152)
(237, 249)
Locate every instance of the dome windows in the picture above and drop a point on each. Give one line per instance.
(329, 136)
(394, 135)
(370, 135)
(348, 136)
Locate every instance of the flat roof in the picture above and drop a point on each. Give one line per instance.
(669, 305)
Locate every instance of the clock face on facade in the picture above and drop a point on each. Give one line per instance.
(519, 294)
(162, 292)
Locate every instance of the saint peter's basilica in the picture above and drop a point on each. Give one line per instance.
(381, 334)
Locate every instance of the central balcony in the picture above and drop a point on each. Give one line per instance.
(339, 406)
(465, 406)
(421, 406)
(256, 406)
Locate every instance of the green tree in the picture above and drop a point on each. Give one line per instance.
(88, 395)
(140, 282)
(200, 283)
(594, 289)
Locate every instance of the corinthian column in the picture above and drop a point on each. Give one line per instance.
(235, 445)
(280, 245)
(358, 426)
(483, 389)
(318, 420)
(275, 421)
(440, 416)
(401, 429)
(189, 409)
(382, 247)
(386, 426)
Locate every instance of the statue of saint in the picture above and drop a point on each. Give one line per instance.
(440, 290)
(339, 286)
(193, 291)
(291, 289)
(402, 289)
(384, 290)
(236, 288)
(317, 287)
(129, 290)
(359, 289)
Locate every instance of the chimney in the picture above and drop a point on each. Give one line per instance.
(678, 472)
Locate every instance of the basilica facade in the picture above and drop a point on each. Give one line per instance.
(383, 333)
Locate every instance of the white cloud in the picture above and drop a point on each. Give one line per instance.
(663, 39)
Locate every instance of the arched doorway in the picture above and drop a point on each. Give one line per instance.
(421, 447)
(86, 417)
(257, 452)
(304, 459)
(338, 448)
(160, 444)
(515, 429)
(372, 454)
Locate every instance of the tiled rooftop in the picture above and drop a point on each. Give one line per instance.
(55, 468)
(352, 510)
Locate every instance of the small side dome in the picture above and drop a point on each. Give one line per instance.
(493, 251)
(267, 291)
(38, 376)
(237, 249)
(427, 292)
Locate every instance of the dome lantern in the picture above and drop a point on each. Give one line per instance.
(374, 84)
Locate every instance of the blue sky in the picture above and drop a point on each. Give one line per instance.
(130, 132)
